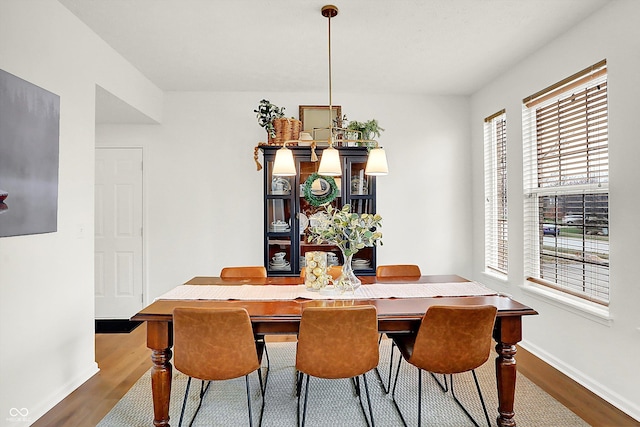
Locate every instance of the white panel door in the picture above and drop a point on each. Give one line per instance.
(118, 232)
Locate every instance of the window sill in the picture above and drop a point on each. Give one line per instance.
(587, 309)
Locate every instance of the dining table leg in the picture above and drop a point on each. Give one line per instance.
(507, 333)
(160, 340)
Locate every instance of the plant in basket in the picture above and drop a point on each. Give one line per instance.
(266, 114)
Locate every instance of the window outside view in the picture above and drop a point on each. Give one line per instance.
(574, 242)
(566, 185)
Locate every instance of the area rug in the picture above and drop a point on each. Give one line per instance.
(332, 402)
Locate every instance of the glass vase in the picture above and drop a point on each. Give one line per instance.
(347, 282)
(315, 275)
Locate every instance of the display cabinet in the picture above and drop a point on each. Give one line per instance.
(291, 206)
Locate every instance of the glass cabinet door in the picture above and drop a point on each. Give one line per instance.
(279, 222)
(361, 196)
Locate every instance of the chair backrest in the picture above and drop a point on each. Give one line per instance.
(213, 343)
(244, 271)
(395, 270)
(337, 342)
(454, 339)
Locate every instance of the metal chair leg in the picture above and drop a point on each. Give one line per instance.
(393, 394)
(304, 409)
(484, 407)
(184, 402)
(203, 391)
(366, 390)
(386, 387)
(299, 378)
(262, 392)
(356, 385)
(443, 385)
(246, 379)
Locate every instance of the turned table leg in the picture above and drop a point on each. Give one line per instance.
(160, 340)
(507, 333)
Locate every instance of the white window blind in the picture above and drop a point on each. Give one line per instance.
(495, 191)
(566, 179)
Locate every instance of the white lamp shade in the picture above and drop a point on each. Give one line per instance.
(330, 162)
(284, 165)
(377, 163)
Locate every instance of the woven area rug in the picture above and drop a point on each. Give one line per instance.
(332, 402)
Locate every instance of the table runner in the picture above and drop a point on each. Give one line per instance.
(291, 292)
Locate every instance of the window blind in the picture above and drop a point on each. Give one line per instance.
(566, 176)
(495, 187)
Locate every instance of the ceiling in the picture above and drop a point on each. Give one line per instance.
(402, 46)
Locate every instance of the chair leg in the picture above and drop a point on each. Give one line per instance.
(356, 385)
(262, 392)
(299, 378)
(304, 408)
(484, 407)
(386, 387)
(246, 380)
(203, 391)
(266, 353)
(184, 402)
(260, 338)
(443, 385)
(393, 393)
(419, 397)
(366, 390)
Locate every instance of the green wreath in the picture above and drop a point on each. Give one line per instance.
(316, 200)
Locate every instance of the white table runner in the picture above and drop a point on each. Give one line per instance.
(291, 292)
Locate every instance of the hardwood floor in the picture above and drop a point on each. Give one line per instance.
(123, 358)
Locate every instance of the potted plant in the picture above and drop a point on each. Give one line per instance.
(367, 130)
(266, 114)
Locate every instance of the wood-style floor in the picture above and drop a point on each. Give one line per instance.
(123, 358)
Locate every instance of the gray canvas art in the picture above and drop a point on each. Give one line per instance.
(29, 132)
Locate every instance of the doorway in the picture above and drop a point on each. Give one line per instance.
(118, 233)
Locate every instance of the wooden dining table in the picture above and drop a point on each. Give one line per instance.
(283, 317)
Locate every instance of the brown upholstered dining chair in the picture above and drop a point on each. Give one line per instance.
(337, 342)
(450, 340)
(394, 271)
(243, 272)
(397, 270)
(214, 344)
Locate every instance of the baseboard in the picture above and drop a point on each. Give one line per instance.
(115, 326)
(630, 408)
(58, 396)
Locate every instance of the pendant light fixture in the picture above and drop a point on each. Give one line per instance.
(330, 161)
(377, 162)
(283, 165)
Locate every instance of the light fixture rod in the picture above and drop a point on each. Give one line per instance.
(329, 11)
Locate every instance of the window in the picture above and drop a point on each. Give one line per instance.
(566, 185)
(495, 192)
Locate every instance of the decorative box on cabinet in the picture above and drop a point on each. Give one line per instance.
(288, 214)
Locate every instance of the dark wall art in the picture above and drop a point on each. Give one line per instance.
(29, 140)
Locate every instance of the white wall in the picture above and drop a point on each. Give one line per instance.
(203, 195)
(599, 351)
(46, 280)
